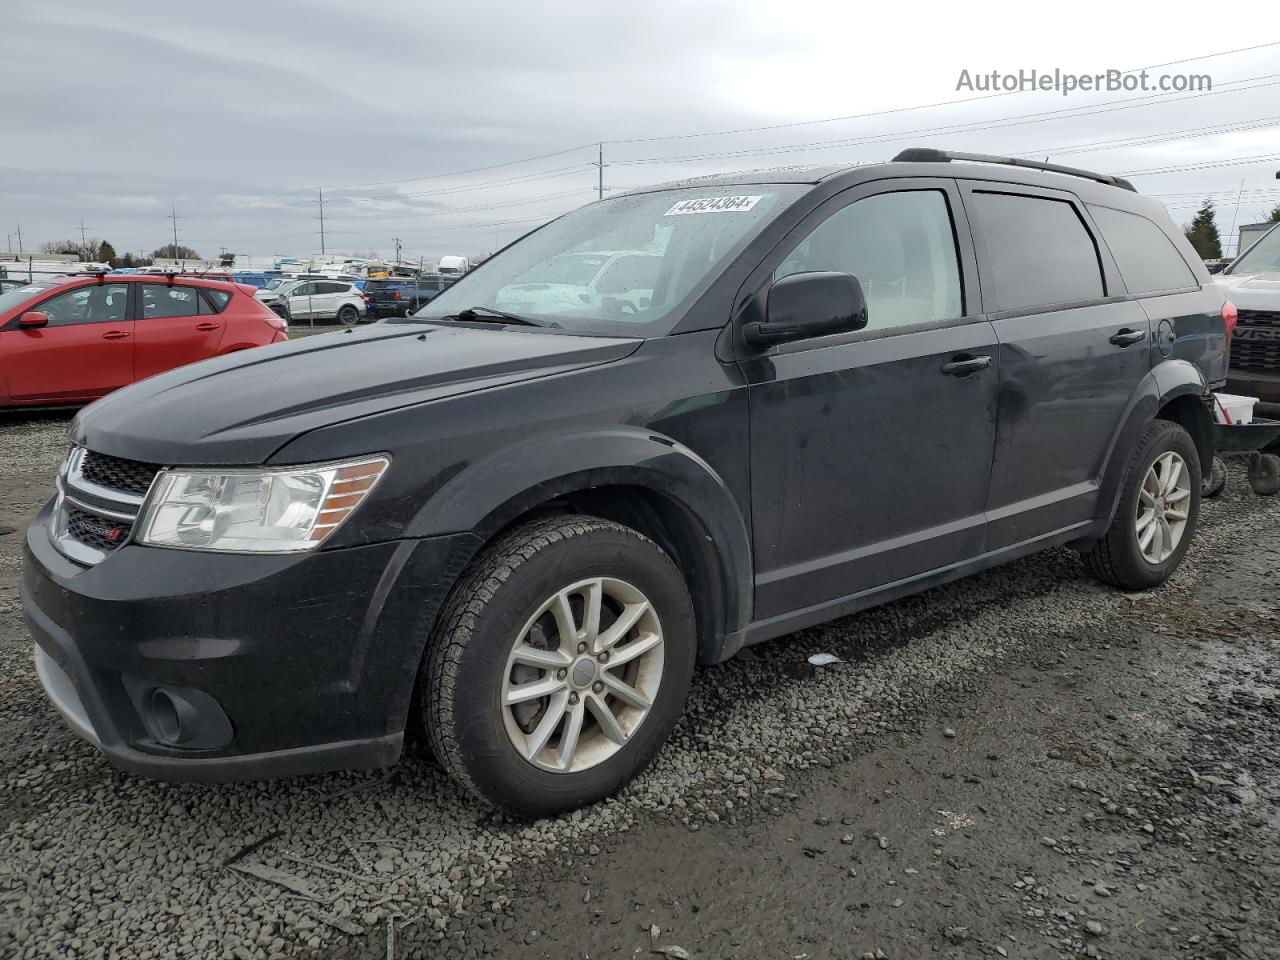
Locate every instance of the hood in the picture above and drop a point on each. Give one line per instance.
(1251, 291)
(242, 407)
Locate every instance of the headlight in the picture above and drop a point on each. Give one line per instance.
(271, 510)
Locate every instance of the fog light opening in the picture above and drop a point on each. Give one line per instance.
(170, 717)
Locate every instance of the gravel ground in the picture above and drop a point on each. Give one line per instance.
(1023, 764)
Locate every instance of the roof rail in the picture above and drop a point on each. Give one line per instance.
(929, 155)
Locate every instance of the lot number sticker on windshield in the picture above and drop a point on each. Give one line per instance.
(713, 205)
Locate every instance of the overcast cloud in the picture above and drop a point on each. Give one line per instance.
(236, 113)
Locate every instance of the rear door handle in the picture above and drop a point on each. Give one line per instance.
(206, 327)
(114, 335)
(963, 366)
(1127, 337)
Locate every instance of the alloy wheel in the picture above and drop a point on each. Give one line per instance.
(1163, 502)
(583, 674)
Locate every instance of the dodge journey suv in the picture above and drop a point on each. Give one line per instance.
(515, 533)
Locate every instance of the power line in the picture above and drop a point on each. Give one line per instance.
(459, 173)
(1200, 166)
(1162, 137)
(1017, 120)
(921, 106)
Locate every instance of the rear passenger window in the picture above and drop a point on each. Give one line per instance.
(159, 300)
(902, 249)
(1147, 258)
(1040, 251)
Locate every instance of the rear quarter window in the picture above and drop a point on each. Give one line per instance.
(1147, 258)
(1040, 252)
(217, 299)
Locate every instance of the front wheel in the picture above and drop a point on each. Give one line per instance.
(560, 667)
(1157, 513)
(348, 316)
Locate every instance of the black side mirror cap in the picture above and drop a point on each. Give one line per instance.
(807, 305)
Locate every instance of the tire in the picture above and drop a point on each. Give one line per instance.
(1120, 557)
(281, 312)
(1216, 481)
(472, 665)
(1264, 474)
(348, 315)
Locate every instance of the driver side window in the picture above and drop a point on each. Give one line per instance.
(900, 246)
(95, 303)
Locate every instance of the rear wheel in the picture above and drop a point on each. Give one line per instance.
(348, 316)
(1216, 481)
(1157, 514)
(561, 666)
(1264, 474)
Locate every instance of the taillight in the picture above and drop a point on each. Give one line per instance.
(397, 293)
(1230, 317)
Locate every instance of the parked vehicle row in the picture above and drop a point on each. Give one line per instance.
(520, 530)
(70, 340)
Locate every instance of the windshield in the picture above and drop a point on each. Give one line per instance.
(621, 267)
(23, 293)
(1262, 257)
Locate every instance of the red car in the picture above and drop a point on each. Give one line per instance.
(70, 340)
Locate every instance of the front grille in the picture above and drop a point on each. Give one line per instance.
(98, 532)
(1255, 354)
(118, 473)
(1259, 318)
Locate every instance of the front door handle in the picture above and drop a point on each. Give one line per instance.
(114, 335)
(963, 366)
(206, 327)
(1127, 337)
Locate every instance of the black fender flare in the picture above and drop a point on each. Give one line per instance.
(1164, 383)
(493, 492)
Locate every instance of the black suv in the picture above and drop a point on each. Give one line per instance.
(517, 520)
(401, 296)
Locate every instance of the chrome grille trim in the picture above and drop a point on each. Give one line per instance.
(117, 507)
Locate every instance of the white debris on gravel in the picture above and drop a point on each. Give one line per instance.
(94, 860)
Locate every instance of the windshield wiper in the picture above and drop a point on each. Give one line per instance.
(489, 314)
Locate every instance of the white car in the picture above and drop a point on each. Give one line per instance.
(1252, 283)
(618, 281)
(339, 300)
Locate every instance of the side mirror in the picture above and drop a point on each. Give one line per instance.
(807, 305)
(33, 318)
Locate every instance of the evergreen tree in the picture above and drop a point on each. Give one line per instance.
(1203, 233)
(1275, 214)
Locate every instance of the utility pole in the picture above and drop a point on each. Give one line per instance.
(397, 239)
(600, 165)
(321, 189)
(84, 243)
(1236, 216)
(173, 215)
(19, 238)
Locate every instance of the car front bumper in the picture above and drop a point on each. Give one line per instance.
(182, 665)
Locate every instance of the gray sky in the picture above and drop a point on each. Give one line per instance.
(237, 112)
